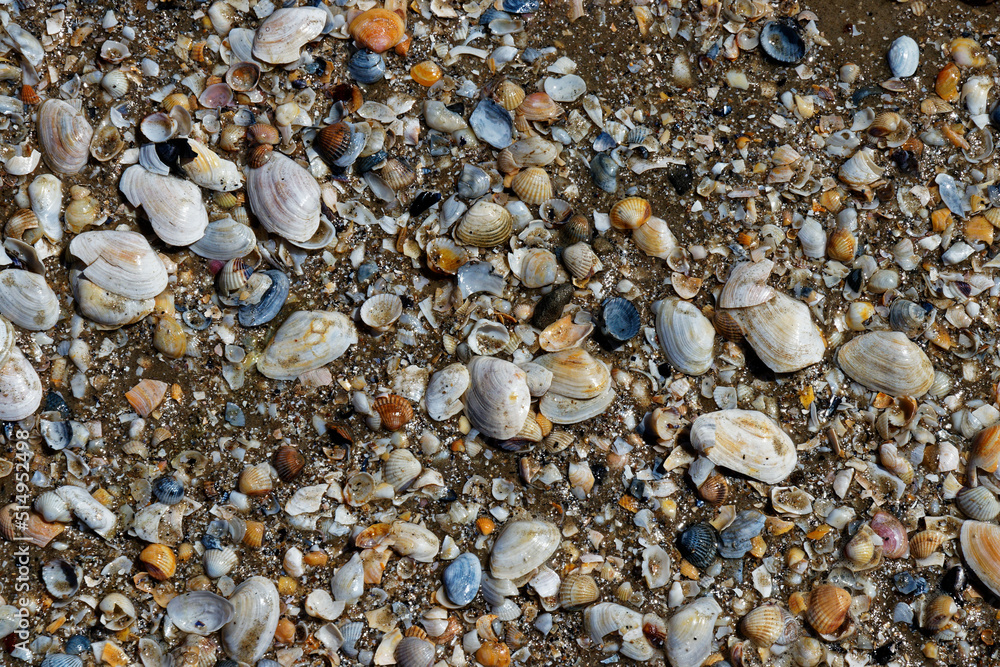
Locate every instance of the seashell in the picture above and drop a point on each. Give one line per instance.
(926, 542)
(791, 500)
(714, 490)
(414, 541)
(64, 136)
(104, 308)
(398, 174)
(686, 337)
(655, 567)
(121, 262)
(630, 213)
(401, 469)
(62, 579)
(765, 625)
(532, 186)
(699, 544)
(655, 238)
(87, 509)
(907, 318)
(745, 441)
(219, 562)
(160, 561)
(980, 543)
(488, 338)
(618, 322)
(115, 82)
(348, 584)
(27, 300)
(20, 388)
(359, 489)
(62, 660)
(604, 618)
(842, 245)
(975, 94)
(604, 173)
(224, 240)
(106, 143)
(887, 361)
(904, 57)
(581, 262)
(378, 29)
(508, 94)
(256, 480)
(51, 506)
(490, 378)
(289, 462)
(118, 612)
(243, 77)
(577, 230)
(827, 610)
(690, 632)
(978, 503)
(159, 523)
(539, 107)
(285, 198)
(861, 550)
(534, 267)
(394, 411)
(563, 410)
(575, 373)
(946, 83)
(210, 171)
(782, 42)
(521, 547)
(527, 152)
(966, 52)
(381, 310)
(255, 604)
(443, 398)
(985, 453)
(462, 578)
(168, 490)
(23, 225)
(812, 238)
(33, 530)
(939, 613)
(426, 73)
(307, 340)
(264, 134)
(200, 612)
(473, 182)
(173, 206)
(484, 225)
(895, 543)
(281, 36)
(445, 256)
(46, 201)
(860, 170)
(859, 315)
(366, 66)
(146, 396)
(254, 534)
(493, 124)
(413, 651)
(577, 591)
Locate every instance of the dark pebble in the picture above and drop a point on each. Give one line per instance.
(954, 580)
(682, 178)
(550, 306)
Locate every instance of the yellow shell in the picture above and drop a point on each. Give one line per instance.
(630, 213)
(532, 186)
(378, 29)
(841, 245)
(254, 535)
(256, 481)
(926, 542)
(578, 590)
(509, 95)
(763, 625)
(176, 100)
(426, 73)
(160, 561)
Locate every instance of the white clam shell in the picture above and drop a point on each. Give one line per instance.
(535, 267)
(560, 409)
(522, 547)
(87, 509)
(173, 206)
(224, 240)
(904, 57)
(861, 169)
(980, 543)
(282, 34)
(20, 388)
(686, 336)
(488, 337)
(105, 308)
(576, 373)
(745, 441)
(887, 361)
(307, 340)
(605, 618)
(782, 333)
(410, 539)
(690, 633)
(348, 584)
(45, 192)
(64, 135)
(210, 171)
(27, 300)
(976, 94)
(539, 378)
(655, 566)
(443, 398)
(200, 612)
(401, 469)
(812, 238)
(285, 198)
(498, 399)
(747, 286)
(248, 636)
(121, 262)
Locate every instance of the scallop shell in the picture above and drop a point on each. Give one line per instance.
(763, 625)
(581, 262)
(655, 238)
(200, 612)
(575, 373)
(686, 337)
(484, 225)
(34, 530)
(285, 198)
(64, 136)
(926, 542)
(443, 398)
(828, 607)
(985, 452)
(281, 36)
(173, 206)
(219, 562)
(401, 469)
(160, 561)
(121, 262)
(307, 340)
(532, 186)
(289, 462)
(690, 633)
(381, 310)
(210, 171)
(414, 652)
(378, 29)
(630, 213)
(256, 480)
(577, 591)
(980, 542)
(978, 503)
(498, 399)
(746, 441)
(20, 388)
(27, 300)
(248, 636)
(887, 361)
(521, 547)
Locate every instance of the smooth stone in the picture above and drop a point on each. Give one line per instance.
(462, 578)
(550, 307)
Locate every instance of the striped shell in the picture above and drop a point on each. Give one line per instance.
(532, 186)
(394, 411)
(980, 542)
(828, 607)
(484, 225)
(978, 503)
(630, 213)
(926, 542)
(577, 591)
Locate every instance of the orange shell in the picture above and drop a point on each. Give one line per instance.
(264, 133)
(828, 606)
(426, 73)
(378, 29)
(159, 560)
(259, 156)
(493, 654)
(288, 462)
(394, 410)
(146, 396)
(29, 96)
(254, 535)
(630, 213)
(946, 85)
(539, 106)
(842, 245)
(372, 536)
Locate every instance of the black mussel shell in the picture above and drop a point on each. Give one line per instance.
(699, 545)
(782, 42)
(618, 323)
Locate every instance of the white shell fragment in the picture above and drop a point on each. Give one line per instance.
(307, 340)
(747, 442)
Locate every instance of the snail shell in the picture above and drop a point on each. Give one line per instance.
(887, 361)
(746, 441)
(173, 206)
(64, 135)
(255, 604)
(282, 34)
(307, 340)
